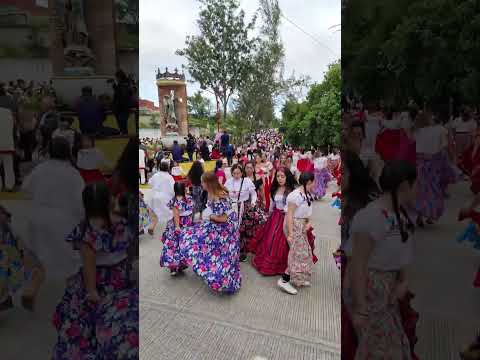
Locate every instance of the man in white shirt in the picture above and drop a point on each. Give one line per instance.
(7, 147)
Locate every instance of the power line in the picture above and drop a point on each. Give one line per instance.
(309, 35)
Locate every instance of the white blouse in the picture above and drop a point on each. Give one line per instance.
(389, 252)
(320, 163)
(247, 190)
(303, 211)
(428, 140)
(279, 203)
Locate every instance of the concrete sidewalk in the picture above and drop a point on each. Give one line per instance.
(182, 319)
(442, 277)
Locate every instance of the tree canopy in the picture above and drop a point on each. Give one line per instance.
(427, 50)
(316, 121)
(219, 58)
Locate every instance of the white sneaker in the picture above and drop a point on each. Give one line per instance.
(287, 287)
(307, 284)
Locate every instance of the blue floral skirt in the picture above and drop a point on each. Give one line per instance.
(106, 330)
(213, 252)
(170, 256)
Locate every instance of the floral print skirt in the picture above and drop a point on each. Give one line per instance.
(213, 252)
(383, 336)
(170, 256)
(252, 220)
(300, 256)
(106, 330)
(12, 273)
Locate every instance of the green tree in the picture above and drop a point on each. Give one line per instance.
(397, 49)
(220, 57)
(316, 121)
(200, 111)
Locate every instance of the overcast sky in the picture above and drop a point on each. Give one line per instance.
(164, 24)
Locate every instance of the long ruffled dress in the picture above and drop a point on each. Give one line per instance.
(213, 249)
(170, 256)
(322, 178)
(430, 199)
(110, 328)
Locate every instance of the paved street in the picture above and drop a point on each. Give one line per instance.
(442, 277)
(182, 319)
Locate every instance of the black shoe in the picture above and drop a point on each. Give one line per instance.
(243, 257)
(7, 304)
(28, 302)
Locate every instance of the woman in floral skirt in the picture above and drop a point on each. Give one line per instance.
(147, 220)
(97, 317)
(254, 215)
(12, 273)
(297, 226)
(379, 251)
(182, 209)
(212, 247)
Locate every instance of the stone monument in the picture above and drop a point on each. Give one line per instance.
(83, 46)
(172, 95)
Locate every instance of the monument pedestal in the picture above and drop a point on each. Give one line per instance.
(68, 88)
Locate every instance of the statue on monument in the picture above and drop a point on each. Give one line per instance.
(169, 110)
(76, 52)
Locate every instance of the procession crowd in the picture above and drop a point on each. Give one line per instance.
(32, 115)
(398, 164)
(260, 203)
(79, 225)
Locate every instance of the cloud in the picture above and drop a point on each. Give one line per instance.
(164, 26)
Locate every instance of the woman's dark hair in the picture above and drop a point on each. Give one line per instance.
(303, 180)
(97, 201)
(290, 182)
(195, 173)
(60, 149)
(218, 165)
(393, 175)
(361, 187)
(165, 166)
(179, 189)
(239, 167)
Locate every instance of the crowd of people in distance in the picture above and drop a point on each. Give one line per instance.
(258, 202)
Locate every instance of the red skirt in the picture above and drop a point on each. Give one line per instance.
(395, 145)
(92, 176)
(271, 253)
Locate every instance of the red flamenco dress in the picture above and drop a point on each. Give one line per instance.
(394, 144)
(305, 165)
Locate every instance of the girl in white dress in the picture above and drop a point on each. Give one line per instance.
(162, 192)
